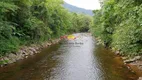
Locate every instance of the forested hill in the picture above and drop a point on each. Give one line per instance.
(77, 9)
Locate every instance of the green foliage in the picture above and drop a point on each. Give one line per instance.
(32, 21)
(4, 61)
(7, 7)
(118, 25)
(81, 22)
(8, 42)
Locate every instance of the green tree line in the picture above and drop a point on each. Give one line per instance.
(25, 22)
(119, 25)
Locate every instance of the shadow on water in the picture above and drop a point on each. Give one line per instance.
(78, 59)
(112, 66)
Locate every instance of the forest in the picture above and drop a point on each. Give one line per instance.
(118, 24)
(25, 22)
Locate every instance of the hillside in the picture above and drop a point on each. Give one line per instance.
(77, 9)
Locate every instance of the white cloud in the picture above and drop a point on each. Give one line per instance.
(87, 4)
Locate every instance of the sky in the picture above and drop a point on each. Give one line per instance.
(87, 4)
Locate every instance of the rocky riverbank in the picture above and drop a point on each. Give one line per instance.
(133, 63)
(24, 52)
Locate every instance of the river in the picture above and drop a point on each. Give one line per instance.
(79, 59)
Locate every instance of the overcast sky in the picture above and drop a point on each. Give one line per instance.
(87, 4)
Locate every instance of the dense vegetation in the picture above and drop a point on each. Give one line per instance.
(119, 25)
(24, 22)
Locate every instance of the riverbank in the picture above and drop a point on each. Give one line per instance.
(25, 51)
(133, 63)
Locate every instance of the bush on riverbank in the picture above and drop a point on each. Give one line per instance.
(118, 25)
(24, 22)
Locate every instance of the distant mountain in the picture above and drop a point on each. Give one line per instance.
(77, 9)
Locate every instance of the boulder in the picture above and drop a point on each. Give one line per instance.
(124, 58)
(12, 57)
(137, 57)
(140, 78)
(117, 52)
(20, 56)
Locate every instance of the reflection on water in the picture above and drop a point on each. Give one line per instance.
(78, 59)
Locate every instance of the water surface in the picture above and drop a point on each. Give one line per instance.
(79, 59)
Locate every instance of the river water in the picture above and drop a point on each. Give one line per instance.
(79, 59)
